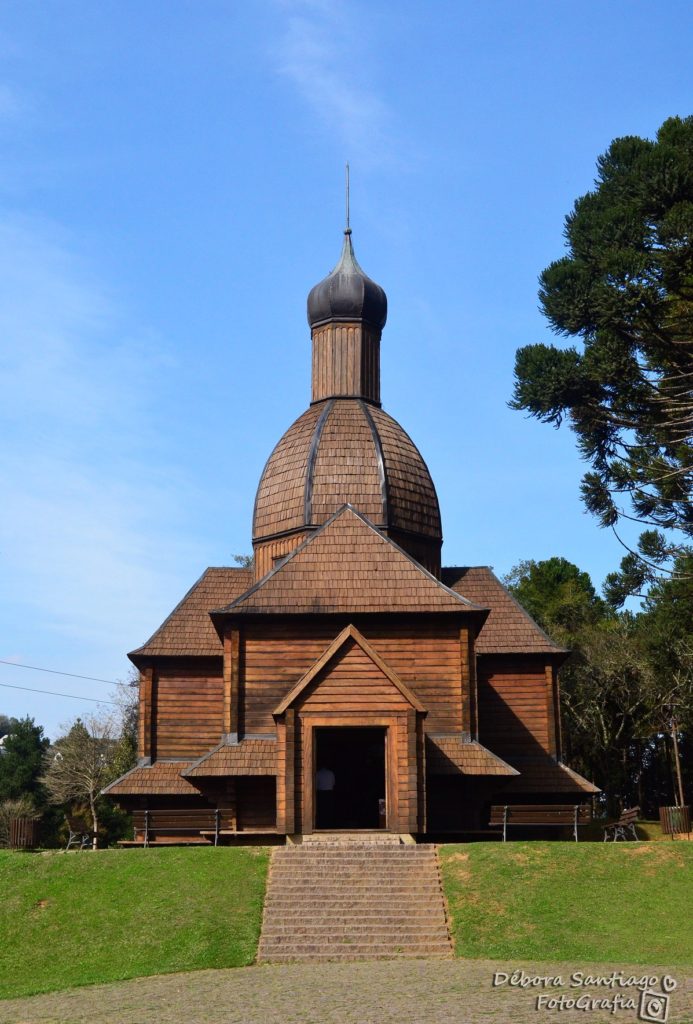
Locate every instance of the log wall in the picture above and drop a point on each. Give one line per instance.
(188, 710)
(425, 656)
(516, 705)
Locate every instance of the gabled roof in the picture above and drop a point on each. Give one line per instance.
(163, 778)
(188, 629)
(347, 634)
(348, 566)
(508, 628)
(452, 755)
(247, 757)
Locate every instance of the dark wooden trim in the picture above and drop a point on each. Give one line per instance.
(144, 740)
(312, 456)
(379, 456)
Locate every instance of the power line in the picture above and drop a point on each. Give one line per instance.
(52, 693)
(55, 672)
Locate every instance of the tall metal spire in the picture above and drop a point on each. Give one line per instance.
(348, 226)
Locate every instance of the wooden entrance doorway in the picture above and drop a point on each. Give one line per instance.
(350, 777)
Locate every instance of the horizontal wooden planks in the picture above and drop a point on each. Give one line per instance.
(513, 708)
(188, 710)
(425, 657)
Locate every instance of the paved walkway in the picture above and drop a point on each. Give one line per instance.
(385, 992)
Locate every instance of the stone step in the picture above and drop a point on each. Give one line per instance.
(336, 852)
(326, 864)
(323, 888)
(381, 933)
(327, 903)
(332, 879)
(292, 958)
(293, 917)
(387, 947)
(338, 910)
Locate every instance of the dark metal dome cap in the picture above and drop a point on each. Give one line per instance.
(347, 293)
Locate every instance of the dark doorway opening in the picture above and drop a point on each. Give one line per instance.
(350, 778)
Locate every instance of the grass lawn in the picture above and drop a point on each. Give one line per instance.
(620, 902)
(77, 918)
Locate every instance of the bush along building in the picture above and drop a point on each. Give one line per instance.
(346, 681)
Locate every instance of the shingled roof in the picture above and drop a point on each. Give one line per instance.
(545, 775)
(452, 755)
(189, 629)
(348, 566)
(163, 778)
(508, 628)
(248, 757)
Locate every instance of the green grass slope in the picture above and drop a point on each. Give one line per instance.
(78, 918)
(620, 902)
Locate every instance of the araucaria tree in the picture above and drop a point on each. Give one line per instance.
(625, 290)
(80, 764)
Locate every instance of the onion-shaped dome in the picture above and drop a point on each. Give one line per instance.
(340, 451)
(347, 293)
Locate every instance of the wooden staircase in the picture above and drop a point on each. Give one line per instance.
(353, 901)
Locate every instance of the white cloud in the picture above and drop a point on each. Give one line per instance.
(88, 537)
(324, 54)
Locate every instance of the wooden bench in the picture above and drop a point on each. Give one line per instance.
(80, 835)
(624, 828)
(205, 821)
(540, 815)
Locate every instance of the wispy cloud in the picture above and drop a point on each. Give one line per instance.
(323, 52)
(88, 540)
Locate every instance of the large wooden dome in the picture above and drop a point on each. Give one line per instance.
(346, 451)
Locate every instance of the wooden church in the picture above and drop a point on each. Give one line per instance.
(346, 681)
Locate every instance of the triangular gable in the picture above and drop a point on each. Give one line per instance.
(347, 634)
(348, 566)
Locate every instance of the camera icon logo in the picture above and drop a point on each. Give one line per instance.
(654, 1006)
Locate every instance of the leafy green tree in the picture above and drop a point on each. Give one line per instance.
(80, 764)
(627, 687)
(625, 289)
(6, 725)
(558, 595)
(21, 762)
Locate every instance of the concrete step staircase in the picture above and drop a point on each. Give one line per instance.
(353, 901)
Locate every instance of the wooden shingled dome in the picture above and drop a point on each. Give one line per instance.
(346, 451)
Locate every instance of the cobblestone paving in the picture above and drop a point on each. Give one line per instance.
(416, 991)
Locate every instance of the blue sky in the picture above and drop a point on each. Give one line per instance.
(171, 188)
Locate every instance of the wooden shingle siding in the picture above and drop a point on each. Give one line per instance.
(452, 755)
(412, 495)
(541, 775)
(513, 708)
(279, 504)
(163, 778)
(189, 712)
(348, 566)
(508, 628)
(188, 630)
(347, 451)
(249, 757)
(346, 454)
